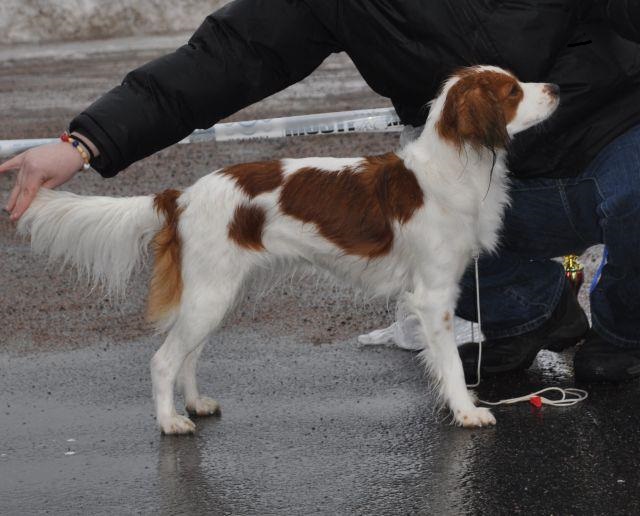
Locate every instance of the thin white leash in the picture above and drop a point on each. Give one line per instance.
(568, 396)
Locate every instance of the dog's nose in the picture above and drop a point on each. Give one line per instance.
(552, 89)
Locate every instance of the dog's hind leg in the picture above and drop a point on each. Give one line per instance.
(435, 308)
(202, 308)
(196, 405)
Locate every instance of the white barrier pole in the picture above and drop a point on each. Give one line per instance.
(377, 120)
(10, 147)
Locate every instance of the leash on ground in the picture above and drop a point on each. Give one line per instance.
(568, 396)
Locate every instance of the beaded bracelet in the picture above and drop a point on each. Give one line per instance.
(86, 146)
(78, 146)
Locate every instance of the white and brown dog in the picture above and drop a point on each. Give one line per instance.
(404, 223)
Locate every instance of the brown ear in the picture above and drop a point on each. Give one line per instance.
(473, 115)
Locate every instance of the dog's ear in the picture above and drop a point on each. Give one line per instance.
(472, 114)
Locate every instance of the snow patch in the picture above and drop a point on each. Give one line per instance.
(30, 21)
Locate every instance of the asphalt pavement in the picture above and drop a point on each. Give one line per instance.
(311, 422)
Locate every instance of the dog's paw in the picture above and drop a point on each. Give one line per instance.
(204, 407)
(176, 425)
(474, 417)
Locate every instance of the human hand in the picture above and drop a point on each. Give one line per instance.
(46, 166)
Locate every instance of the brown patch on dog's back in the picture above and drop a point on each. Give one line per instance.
(355, 209)
(166, 281)
(247, 225)
(256, 178)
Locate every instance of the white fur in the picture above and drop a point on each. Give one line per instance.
(462, 213)
(289, 166)
(105, 237)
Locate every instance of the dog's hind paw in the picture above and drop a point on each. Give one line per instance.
(475, 417)
(204, 407)
(176, 425)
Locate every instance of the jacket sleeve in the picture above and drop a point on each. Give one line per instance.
(624, 17)
(242, 53)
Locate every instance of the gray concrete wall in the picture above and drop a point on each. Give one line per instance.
(32, 21)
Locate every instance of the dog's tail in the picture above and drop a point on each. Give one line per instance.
(107, 239)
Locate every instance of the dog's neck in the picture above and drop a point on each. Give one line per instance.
(444, 169)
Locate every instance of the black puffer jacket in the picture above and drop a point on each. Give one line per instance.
(404, 49)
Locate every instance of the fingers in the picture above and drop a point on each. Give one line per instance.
(27, 192)
(12, 164)
(51, 164)
(11, 203)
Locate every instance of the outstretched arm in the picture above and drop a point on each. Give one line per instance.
(242, 53)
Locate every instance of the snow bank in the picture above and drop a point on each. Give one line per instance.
(30, 21)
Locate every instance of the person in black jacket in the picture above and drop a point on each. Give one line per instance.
(575, 181)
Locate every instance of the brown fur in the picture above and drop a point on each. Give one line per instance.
(256, 178)
(166, 281)
(246, 227)
(478, 109)
(355, 209)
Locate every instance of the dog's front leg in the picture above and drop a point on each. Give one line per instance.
(435, 308)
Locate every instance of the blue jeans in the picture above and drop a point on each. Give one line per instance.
(521, 286)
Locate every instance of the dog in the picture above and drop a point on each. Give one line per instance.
(401, 224)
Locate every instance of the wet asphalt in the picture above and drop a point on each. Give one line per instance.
(311, 422)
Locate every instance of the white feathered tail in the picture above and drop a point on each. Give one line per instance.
(106, 238)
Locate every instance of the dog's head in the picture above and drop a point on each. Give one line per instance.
(484, 106)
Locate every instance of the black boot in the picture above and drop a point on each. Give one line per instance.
(598, 360)
(567, 325)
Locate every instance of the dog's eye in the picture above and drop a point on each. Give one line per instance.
(515, 91)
